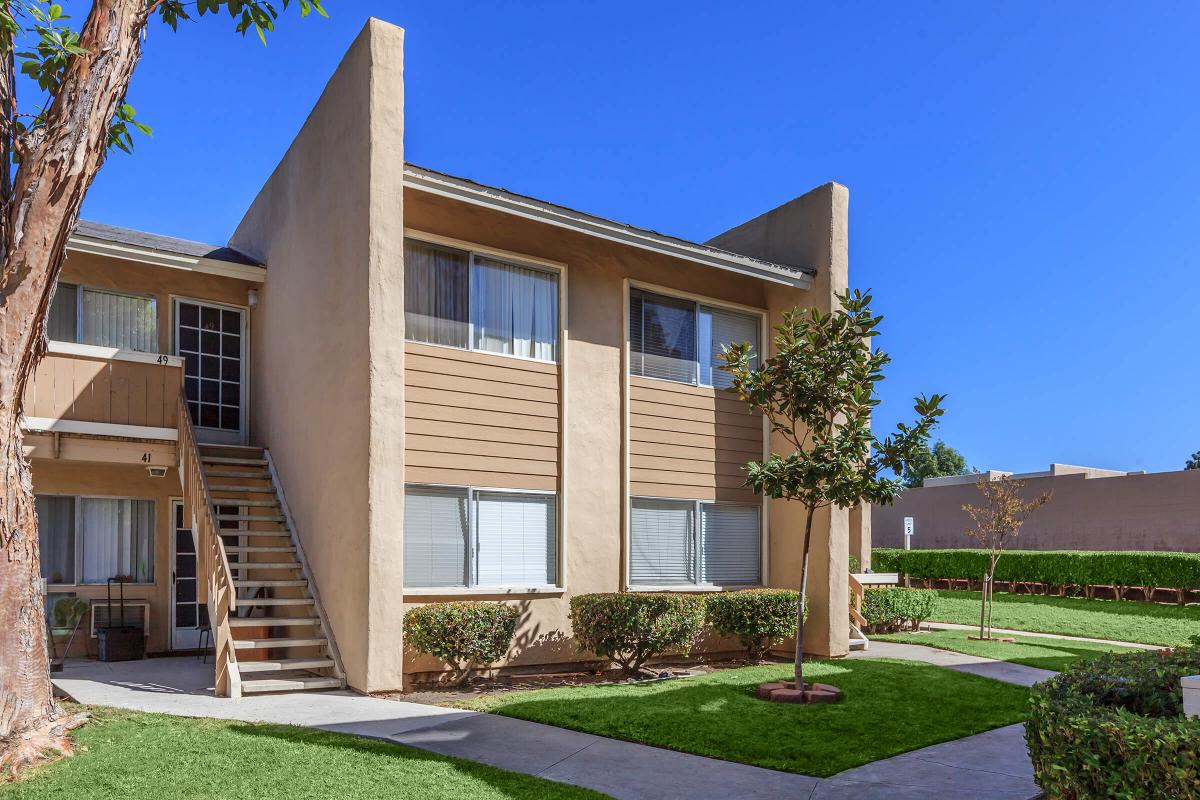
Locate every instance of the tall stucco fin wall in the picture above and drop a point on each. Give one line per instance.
(809, 231)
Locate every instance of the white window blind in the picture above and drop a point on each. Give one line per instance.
(436, 292)
(730, 543)
(119, 320)
(661, 548)
(435, 537)
(56, 537)
(718, 329)
(514, 310)
(515, 539)
(117, 538)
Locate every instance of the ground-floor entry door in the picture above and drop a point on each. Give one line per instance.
(211, 339)
(188, 615)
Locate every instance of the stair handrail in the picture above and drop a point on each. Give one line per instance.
(216, 586)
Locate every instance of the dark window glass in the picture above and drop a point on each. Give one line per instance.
(662, 334)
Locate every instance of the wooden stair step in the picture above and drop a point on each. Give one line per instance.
(255, 584)
(215, 487)
(275, 601)
(245, 517)
(255, 644)
(265, 565)
(254, 462)
(262, 685)
(272, 622)
(281, 664)
(243, 502)
(257, 549)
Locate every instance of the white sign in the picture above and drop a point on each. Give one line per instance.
(908, 533)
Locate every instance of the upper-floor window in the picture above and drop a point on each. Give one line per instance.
(462, 299)
(681, 340)
(84, 315)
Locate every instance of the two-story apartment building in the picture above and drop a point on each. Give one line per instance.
(396, 387)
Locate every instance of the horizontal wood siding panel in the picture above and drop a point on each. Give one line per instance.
(496, 480)
(690, 441)
(89, 389)
(477, 419)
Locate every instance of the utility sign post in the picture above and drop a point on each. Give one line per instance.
(908, 533)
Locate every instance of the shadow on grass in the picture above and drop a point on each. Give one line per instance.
(890, 707)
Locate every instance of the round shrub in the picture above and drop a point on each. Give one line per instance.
(633, 627)
(1113, 727)
(466, 634)
(894, 607)
(757, 617)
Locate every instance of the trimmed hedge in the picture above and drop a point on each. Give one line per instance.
(757, 617)
(1113, 727)
(465, 634)
(632, 627)
(1180, 571)
(894, 607)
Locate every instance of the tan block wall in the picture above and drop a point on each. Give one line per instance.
(114, 480)
(1156, 511)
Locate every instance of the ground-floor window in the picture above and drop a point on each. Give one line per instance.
(92, 539)
(465, 537)
(694, 543)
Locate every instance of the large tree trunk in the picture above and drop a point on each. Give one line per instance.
(57, 167)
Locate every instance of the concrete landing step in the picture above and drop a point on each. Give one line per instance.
(281, 664)
(262, 685)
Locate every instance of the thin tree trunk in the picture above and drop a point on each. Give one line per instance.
(57, 166)
(801, 600)
(982, 609)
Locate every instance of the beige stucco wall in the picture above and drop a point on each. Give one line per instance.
(809, 231)
(67, 477)
(1155, 511)
(328, 350)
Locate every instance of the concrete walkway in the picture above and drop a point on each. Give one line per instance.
(960, 662)
(987, 766)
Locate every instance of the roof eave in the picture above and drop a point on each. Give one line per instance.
(166, 258)
(518, 205)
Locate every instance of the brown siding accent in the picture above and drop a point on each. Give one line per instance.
(480, 419)
(90, 389)
(689, 441)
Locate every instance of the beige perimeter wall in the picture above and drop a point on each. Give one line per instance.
(1157, 511)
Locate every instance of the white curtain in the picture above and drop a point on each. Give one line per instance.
(515, 539)
(435, 537)
(435, 295)
(514, 309)
(118, 320)
(661, 548)
(718, 329)
(118, 539)
(730, 544)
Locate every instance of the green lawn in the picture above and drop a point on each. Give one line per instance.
(890, 707)
(1121, 620)
(1055, 654)
(134, 756)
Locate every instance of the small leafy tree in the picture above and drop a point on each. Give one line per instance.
(934, 462)
(1193, 462)
(818, 390)
(996, 523)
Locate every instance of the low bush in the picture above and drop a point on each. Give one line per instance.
(757, 617)
(1060, 568)
(1113, 727)
(632, 627)
(892, 608)
(466, 634)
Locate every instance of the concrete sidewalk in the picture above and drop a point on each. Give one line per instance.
(960, 662)
(987, 766)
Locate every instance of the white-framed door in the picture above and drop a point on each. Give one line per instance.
(188, 615)
(211, 339)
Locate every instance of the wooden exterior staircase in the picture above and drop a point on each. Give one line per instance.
(269, 629)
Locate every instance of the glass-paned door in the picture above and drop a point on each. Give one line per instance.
(212, 341)
(188, 615)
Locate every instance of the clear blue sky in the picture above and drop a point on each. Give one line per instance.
(1024, 176)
